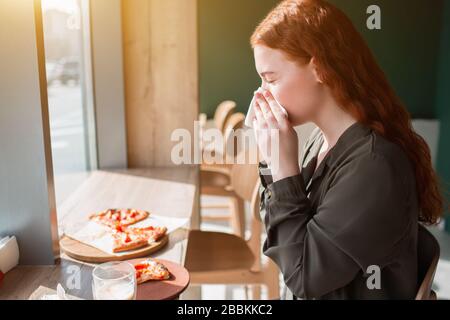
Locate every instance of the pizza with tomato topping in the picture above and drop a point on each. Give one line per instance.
(122, 217)
(125, 238)
(124, 241)
(153, 233)
(150, 269)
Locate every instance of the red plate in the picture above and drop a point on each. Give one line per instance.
(163, 289)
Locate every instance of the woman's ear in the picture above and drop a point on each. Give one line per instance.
(313, 66)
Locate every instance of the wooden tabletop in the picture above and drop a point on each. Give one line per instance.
(172, 192)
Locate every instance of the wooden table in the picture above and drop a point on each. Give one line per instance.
(171, 192)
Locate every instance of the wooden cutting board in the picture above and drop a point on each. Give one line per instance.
(83, 252)
(165, 289)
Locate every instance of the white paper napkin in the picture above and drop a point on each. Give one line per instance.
(60, 294)
(9, 253)
(251, 113)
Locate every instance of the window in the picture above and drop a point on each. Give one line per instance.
(70, 94)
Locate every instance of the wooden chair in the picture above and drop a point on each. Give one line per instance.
(428, 252)
(215, 180)
(234, 122)
(223, 112)
(223, 258)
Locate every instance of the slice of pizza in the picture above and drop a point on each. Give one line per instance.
(153, 233)
(114, 217)
(101, 217)
(125, 241)
(132, 216)
(150, 269)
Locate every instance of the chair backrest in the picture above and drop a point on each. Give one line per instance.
(223, 111)
(254, 242)
(234, 122)
(245, 183)
(244, 177)
(428, 252)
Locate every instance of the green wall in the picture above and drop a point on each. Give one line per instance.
(227, 70)
(406, 48)
(443, 105)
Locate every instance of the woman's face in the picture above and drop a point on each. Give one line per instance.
(297, 88)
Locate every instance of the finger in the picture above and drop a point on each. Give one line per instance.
(267, 113)
(275, 107)
(261, 144)
(255, 128)
(261, 121)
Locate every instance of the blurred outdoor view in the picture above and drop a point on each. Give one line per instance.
(68, 94)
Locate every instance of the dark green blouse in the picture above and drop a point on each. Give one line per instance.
(327, 229)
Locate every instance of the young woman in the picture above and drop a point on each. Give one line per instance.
(343, 224)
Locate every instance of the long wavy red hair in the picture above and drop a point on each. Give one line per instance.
(303, 29)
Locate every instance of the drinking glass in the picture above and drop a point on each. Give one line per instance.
(114, 281)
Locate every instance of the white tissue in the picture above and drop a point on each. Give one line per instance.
(9, 254)
(251, 113)
(50, 297)
(3, 241)
(60, 294)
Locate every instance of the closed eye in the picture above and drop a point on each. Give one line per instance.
(266, 75)
(268, 81)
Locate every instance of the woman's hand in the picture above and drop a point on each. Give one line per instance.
(276, 138)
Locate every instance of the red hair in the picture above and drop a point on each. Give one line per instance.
(303, 29)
